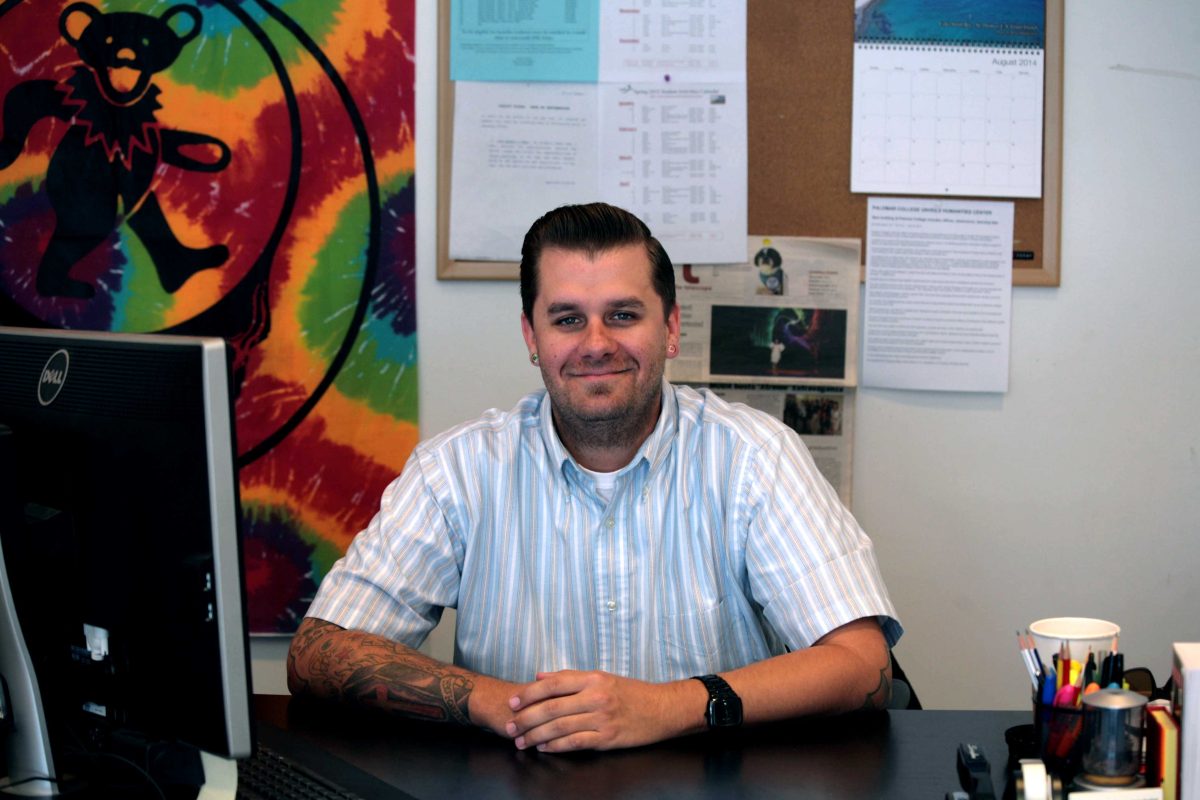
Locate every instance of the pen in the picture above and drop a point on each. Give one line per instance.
(1027, 658)
(1036, 655)
(1118, 671)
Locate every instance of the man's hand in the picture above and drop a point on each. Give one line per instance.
(570, 710)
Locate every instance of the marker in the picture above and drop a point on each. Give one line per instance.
(1047, 696)
(1067, 696)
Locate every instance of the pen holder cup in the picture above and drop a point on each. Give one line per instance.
(1060, 738)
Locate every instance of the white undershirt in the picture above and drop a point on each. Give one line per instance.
(606, 482)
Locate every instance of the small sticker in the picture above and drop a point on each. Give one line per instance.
(95, 708)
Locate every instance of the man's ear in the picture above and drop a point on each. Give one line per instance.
(673, 328)
(527, 332)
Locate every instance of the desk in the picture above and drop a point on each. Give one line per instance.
(894, 756)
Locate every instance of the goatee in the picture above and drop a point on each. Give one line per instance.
(611, 429)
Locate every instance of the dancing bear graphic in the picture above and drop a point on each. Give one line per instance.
(103, 170)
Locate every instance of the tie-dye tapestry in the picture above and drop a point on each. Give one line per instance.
(240, 168)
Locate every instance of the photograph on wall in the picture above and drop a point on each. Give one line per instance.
(239, 169)
(791, 343)
(813, 415)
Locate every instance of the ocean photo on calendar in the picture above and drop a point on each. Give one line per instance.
(1013, 23)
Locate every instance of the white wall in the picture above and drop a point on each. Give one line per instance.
(1078, 491)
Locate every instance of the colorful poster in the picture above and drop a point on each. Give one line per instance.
(238, 168)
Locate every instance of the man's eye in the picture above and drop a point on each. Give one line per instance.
(567, 321)
(623, 316)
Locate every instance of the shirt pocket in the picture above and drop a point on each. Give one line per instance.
(696, 643)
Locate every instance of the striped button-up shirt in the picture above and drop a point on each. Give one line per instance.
(720, 546)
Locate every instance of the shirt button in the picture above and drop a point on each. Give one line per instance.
(609, 522)
(612, 605)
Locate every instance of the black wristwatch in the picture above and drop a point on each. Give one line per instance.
(724, 706)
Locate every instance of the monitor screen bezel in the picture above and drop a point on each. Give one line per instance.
(214, 380)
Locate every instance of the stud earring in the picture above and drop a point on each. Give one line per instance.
(533, 359)
(671, 349)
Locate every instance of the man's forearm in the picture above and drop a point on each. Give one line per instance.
(848, 669)
(331, 662)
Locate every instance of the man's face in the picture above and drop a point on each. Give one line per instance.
(601, 338)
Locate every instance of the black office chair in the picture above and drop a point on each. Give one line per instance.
(903, 695)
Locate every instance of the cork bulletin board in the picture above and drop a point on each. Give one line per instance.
(800, 69)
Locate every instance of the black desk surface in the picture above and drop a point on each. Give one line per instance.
(895, 755)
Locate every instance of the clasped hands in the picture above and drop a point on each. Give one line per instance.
(572, 710)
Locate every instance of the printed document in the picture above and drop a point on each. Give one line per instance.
(524, 40)
(673, 155)
(938, 308)
(592, 41)
(673, 42)
(520, 150)
(650, 117)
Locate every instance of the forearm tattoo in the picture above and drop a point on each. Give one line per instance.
(373, 671)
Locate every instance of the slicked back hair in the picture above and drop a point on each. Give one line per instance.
(592, 228)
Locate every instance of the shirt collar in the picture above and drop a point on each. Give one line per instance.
(653, 451)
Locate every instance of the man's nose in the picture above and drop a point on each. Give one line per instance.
(598, 341)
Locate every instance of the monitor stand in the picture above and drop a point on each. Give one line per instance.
(220, 777)
(26, 763)
(25, 752)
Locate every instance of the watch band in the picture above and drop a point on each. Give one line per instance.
(724, 709)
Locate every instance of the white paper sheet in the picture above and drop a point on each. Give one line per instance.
(673, 41)
(520, 149)
(938, 308)
(674, 155)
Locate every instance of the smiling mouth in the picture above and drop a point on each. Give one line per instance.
(607, 373)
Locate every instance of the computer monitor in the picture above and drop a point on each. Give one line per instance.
(122, 626)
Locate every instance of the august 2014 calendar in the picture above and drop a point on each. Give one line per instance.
(948, 97)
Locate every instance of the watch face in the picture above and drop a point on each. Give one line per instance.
(724, 712)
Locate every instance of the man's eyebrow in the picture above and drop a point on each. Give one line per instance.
(563, 306)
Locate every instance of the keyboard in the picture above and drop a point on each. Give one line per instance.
(268, 775)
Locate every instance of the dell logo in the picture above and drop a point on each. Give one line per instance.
(54, 375)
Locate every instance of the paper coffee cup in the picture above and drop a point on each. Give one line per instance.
(1078, 633)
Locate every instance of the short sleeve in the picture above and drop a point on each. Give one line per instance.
(402, 570)
(810, 565)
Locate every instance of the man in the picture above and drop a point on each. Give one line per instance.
(606, 541)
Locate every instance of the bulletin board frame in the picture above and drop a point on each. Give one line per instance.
(799, 73)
